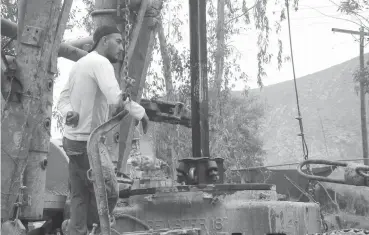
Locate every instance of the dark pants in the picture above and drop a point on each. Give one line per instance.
(83, 209)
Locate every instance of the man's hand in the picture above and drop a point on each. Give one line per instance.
(72, 119)
(145, 123)
(120, 107)
(126, 96)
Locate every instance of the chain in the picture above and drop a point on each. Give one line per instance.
(127, 29)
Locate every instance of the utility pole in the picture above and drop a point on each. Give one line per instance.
(364, 130)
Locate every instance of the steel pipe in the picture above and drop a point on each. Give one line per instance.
(103, 12)
(349, 179)
(81, 42)
(8, 28)
(199, 80)
(71, 52)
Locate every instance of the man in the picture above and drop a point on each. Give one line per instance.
(85, 101)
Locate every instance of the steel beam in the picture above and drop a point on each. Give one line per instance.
(349, 31)
(9, 29)
(199, 80)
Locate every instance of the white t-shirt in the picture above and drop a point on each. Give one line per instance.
(90, 89)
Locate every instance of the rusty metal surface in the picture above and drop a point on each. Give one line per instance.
(102, 170)
(251, 212)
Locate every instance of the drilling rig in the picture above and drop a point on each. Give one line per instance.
(34, 181)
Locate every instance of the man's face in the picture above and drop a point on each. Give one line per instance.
(114, 47)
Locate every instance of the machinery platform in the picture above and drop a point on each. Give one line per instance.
(251, 209)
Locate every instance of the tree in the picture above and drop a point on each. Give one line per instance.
(9, 11)
(357, 9)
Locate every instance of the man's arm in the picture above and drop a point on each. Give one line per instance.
(105, 78)
(65, 107)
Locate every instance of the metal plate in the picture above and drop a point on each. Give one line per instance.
(54, 201)
(32, 36)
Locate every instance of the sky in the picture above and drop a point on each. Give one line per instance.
(315, 46)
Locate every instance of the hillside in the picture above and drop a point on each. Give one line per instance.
(330, 109)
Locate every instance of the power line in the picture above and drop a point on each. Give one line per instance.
(323, 16)
(314, 23)
(309, 8)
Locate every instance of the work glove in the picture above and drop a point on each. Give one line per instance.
(72, 119)
(145, 123)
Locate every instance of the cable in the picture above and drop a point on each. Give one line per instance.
(310, 187)
(299, 118)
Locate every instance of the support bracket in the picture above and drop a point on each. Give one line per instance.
(168, 112)
(198, 171)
